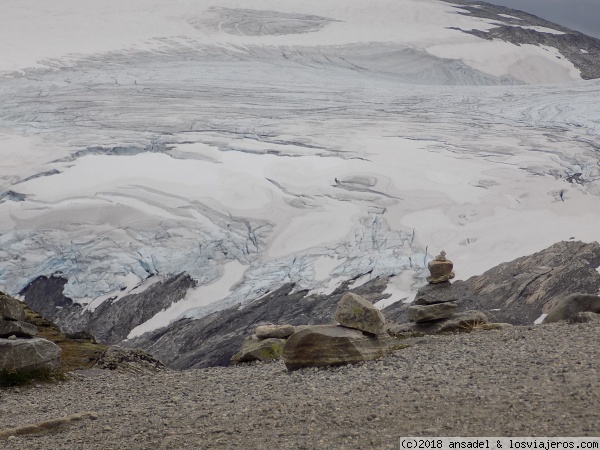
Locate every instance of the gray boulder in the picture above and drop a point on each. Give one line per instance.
(10, 308)
(16, 328)
(460, 322)
(431, 294)
(331, 345)
(353, 311)
(568, 307)
(431, 312)
(274, 331)
(255, 349)
(29, 354)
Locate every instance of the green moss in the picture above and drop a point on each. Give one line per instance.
(273, 351)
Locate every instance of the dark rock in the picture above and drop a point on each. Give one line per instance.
(569, 43)
(331, 345)
(431, 312)
(274, 331)
(112, 321)
(29, 354)
(255, 349)
(353, 311)
(19, 329)
(128, 360)
(430, 294)
(10, 308)
(568, 307)
(518, 292)
(460, 322)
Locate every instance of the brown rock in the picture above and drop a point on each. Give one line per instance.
(440, 269)
(353, 311)
(331, 345)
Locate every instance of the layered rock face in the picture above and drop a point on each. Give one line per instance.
(520, 291)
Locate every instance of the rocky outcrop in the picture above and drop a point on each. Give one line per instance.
(255, 349)
(569, 307)
(129, 360)
(12, 319)
(330, 345)
(518, 292)
(353, 311)
(274, 331)
(519, 28)
(29, 354)
(112, 321)
(10, 308)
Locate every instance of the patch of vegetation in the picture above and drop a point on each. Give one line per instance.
(10, 378)
(78, 352)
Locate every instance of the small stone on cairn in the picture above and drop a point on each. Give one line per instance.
(440, 269)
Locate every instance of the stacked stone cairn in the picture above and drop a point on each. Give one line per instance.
(435, 300)
(20, 350)
(435, 305)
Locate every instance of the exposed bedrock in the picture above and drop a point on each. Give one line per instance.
(582, 50)
(112, 321)
(520, 291)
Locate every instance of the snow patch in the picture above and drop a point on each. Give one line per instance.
(540, 319)
(195, 298)
(401, 289)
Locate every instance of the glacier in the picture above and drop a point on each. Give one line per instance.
(309, 143)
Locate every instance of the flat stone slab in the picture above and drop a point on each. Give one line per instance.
(274, 331)
(431, 312)
(432, 294)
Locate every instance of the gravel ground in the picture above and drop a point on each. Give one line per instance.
(522, 381)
